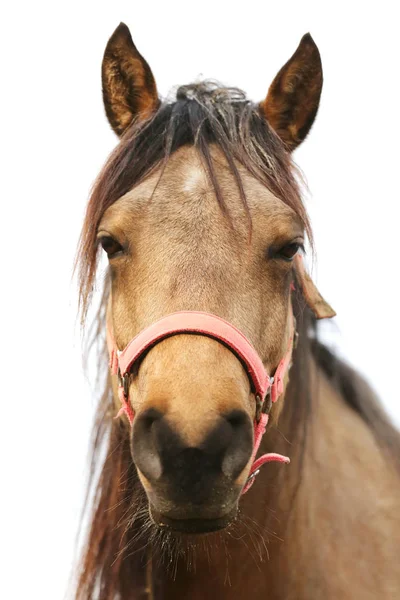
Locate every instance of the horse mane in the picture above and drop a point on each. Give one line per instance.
(115, 554)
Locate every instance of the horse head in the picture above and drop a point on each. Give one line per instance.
(198, 209)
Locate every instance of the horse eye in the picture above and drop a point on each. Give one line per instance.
(110, 246)
(289, 251)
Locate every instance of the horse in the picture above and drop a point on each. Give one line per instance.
(209, 318)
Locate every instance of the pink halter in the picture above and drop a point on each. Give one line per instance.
(214, 327)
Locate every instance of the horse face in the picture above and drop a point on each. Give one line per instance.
(172, 247)
(192, 435)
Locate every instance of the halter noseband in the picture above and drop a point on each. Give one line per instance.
(267, 389)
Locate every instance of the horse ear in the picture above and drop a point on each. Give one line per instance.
(129, 89)
(293, 97)
(319, 306)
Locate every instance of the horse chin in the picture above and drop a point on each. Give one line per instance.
(192, 525)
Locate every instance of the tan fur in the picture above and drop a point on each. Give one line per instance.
(179, 261)
(184, 254)
(350, 522)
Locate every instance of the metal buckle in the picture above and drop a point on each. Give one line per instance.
(124, 382)
(250, 477)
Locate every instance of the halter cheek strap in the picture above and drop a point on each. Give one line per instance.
(200, 323)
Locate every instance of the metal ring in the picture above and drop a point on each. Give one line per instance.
(250, 477)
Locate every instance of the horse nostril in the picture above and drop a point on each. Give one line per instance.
(237, 418)
(240, 447)
(148, 417)
(144, 444)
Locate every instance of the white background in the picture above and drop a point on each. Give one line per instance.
(54, 139)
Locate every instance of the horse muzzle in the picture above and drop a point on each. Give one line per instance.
(192, 487)
(210, 475)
